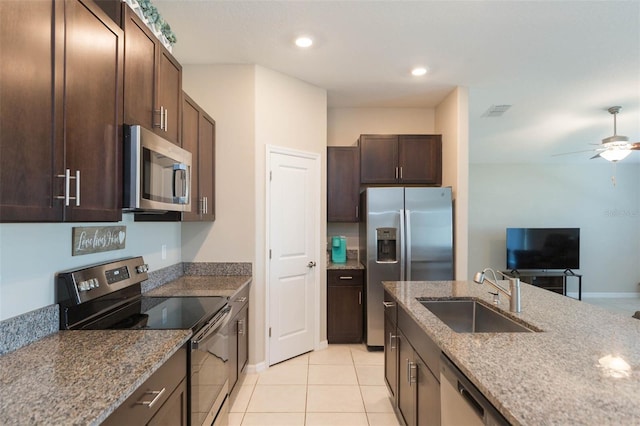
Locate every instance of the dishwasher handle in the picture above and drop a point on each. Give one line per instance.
(477, 407)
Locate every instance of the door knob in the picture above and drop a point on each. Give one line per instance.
(311, 264)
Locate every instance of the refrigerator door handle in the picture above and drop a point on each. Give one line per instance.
(401, 238)
(407, 237)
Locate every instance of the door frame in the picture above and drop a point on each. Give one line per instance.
(273, 149)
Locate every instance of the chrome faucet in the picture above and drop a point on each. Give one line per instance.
(514, 288)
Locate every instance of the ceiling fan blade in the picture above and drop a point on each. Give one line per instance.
(575, 152)
(635, 146)
(595, 156)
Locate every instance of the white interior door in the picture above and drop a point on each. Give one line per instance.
(294, 191)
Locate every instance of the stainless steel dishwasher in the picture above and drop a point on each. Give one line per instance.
(461, 403)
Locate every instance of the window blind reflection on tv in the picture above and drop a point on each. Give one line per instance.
(543, 248)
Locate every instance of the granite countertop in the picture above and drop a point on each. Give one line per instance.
(202, 285)
(349, 264)
(80, 377)
(555, 376)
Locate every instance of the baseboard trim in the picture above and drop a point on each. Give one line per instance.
(607, 295)
(256, 368)
(322, 345)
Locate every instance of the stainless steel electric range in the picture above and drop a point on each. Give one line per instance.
(108, 296)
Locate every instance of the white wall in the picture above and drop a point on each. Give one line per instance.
(554, 195)
(452, 122)
(31, 254)
(291, 114)
(227, 93)
(253, 107)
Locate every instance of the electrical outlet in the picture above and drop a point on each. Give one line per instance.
(164, 252)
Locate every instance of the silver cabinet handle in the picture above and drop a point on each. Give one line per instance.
(360, 298)
(77, 188)
(166, 120)
(241, 300)
(389, 304)
(162, 119)
(411, 366)
(206, 205)
(311, 264)
(240, 327)
(392, 338)
(357, 211)
(346, 277)
(67, 187)
(400, 172)
(157, 394)
(396, 173)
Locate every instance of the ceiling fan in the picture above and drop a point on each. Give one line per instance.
(613, 148)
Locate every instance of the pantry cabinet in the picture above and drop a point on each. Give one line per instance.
(152, 80)
(401, 159)
(60, 112)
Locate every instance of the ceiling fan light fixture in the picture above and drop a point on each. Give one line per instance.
(304, 42)
(615, 154)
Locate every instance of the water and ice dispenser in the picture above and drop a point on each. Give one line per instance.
(386, 242)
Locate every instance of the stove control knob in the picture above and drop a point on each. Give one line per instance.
(83, 286)
(142, 268)
(93, 283)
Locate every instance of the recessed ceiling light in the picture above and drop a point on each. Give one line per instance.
(418, 71)
(304, 42)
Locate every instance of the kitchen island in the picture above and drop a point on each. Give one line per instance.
(556, 376)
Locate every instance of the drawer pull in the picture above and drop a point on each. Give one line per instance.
(389, 304)
(158, 395)
(346, 277)
(241, 300)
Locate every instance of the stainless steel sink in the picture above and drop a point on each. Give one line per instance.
(471, 316)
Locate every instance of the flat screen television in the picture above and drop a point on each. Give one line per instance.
(543, 248)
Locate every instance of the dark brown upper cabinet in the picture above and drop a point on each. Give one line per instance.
(343, 183)
(199, 138)
(60, 112)
(401, 159)
(152, 80)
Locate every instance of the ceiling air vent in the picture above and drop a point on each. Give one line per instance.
(496, 110)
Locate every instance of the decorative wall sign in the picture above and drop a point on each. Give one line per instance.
(96, 239)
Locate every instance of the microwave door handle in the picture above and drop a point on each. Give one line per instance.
(181, 169)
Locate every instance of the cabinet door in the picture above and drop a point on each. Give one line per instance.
(190, 128)
(174, 411)
(428, 395)
(169, 91)
(406, 372)
(206, 166)
(31, 155)
(93, 111)
(391, 358)
(344, 314)
(141, 51)
(420, 159)
(378, 159)
(343, 184)
(243, 338)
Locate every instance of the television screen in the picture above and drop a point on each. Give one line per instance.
(543, 248)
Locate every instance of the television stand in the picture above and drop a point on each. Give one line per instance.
(555, 281)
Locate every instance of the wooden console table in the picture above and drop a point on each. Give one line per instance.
(553, 281)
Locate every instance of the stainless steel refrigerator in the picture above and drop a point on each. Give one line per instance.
(406, 233)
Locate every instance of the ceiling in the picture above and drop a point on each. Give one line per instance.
(560, 64)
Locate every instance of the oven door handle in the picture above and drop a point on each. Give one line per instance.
(219, 321)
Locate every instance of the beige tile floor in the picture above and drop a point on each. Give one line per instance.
(340, 385)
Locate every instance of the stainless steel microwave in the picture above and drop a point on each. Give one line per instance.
(157, 173)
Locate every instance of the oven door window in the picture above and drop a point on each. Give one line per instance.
(209, 374)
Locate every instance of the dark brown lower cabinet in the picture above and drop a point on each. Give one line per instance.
(345, 309)
(417, 389)
(238, 340)
(170, 406)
